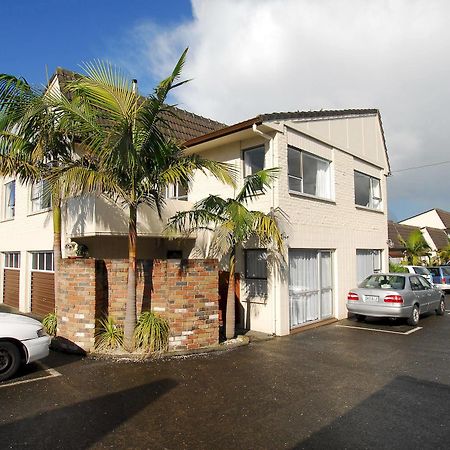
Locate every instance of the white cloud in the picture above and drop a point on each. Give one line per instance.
(249, 57)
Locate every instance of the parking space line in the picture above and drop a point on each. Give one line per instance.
(52, 374)
(382, 331)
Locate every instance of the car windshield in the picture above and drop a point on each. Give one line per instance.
(421, 270)
(446, 270)
(383, 282)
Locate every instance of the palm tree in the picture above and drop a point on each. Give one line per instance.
(232, 225)
(444, 255)
(127, 154)
(32, 141)
(415, 247)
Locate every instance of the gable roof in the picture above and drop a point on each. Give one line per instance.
(183, 125)
(439, 237)
(442, 214)
(295, 115)
(395, 230)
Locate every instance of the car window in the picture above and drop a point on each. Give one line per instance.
(416, 285)
(446, 270)
(384, 282)
(421, 270)
(434, 271)
(424, 283)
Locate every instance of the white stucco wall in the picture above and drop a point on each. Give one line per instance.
(427, 219)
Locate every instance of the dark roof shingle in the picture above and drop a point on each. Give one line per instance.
(395, 230)
(439, 237)
(444, 216)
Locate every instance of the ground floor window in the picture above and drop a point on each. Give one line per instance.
(310, 285)
(256, 273)
(42, 261)
(367, 262)
(12, 260)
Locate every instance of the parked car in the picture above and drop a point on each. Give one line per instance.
(395, 295)
(420, 270)
(22, 340)
(441, 277)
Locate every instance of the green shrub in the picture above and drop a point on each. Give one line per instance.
(109, 335)
(397, 268)
(50, 323)
(151, 333)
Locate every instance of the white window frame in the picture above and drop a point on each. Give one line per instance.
(40, 261)
(9, 211)
(173, 192)
(36, 200)
(11, 260)
(246, 152)
(375, 202)
(300, 178)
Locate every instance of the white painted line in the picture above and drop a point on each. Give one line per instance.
(53, 373)
(382, 331)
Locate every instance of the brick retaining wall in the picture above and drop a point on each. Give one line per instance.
(185, 292)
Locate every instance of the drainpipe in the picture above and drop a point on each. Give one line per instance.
(271, 151)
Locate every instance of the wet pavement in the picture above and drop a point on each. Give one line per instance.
(337, 386)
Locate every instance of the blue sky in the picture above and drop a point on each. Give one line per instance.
(254, 56)
(40, 33)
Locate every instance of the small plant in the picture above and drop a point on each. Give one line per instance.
(151, 333)
(397, 268)
(50, 323)
(109, 335)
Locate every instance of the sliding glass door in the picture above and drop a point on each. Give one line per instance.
(310, 286)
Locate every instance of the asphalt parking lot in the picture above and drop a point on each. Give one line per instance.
(346, 385)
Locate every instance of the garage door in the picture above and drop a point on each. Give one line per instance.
(11, 279)
(310, 286)
(42, 283)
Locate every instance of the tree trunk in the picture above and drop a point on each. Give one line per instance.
(130, 311)
(230, 317)
(56, 243)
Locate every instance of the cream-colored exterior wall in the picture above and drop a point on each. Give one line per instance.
(427, 219)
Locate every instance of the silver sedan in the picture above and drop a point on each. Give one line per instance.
(395, 295)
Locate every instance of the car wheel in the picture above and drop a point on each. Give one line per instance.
(360, 317)
(9, 360)
(413, 319)
(441, 308)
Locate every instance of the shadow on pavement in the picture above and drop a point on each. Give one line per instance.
(406, 413)
(82, 424)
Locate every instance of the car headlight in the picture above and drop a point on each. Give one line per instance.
(41, 332)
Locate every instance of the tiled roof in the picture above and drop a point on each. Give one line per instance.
(395, 230)
(439, 237)
(184, 125)
(444, 216)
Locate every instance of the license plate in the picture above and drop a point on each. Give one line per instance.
(371, 298)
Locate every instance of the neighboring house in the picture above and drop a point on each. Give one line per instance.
(436, 238)
(434, 218)
(332, 186)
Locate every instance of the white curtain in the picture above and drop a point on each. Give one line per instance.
(323, 179)
(375, 194)
(367, 262)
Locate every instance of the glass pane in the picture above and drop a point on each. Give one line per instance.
(182, 191)
(295, 184)
(41, 261)
(367, 262)
(294, 162)
(376, 193)
(362, 189)
(325, 270)
(384, 282)
(256, 264)
(34, 263)
(48, 261)
(253, 160)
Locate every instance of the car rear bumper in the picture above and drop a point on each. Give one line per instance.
(375, 310)
(37, 348)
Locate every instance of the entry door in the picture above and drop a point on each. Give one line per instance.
(310, 286)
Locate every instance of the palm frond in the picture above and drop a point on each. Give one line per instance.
(257, 184)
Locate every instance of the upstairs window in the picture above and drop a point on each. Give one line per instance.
(367, 191)
(9, 200)
(253, 160)
(42, 261)
(177, 191)
(308, 174)
(12, 260)
(41, 197)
